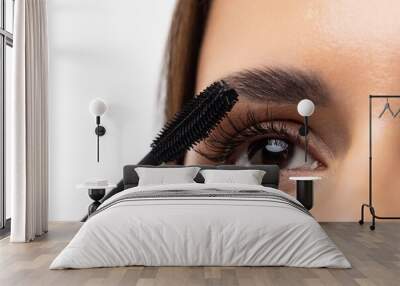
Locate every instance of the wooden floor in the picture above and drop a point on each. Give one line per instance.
(375, 257)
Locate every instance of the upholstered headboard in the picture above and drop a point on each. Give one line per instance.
(271, 177)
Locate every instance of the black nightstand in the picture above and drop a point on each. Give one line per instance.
(96, 193)
(305, 190)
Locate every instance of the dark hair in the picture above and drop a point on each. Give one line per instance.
(182, 52)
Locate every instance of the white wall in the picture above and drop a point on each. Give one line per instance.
(107, 49)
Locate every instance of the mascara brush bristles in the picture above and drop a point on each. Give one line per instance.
(193, 123)
(189, 107)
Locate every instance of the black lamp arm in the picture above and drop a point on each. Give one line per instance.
(305, 138)
(100, 131)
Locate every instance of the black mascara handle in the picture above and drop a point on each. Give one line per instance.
(149, 159)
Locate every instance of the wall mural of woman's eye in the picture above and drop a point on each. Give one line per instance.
(276, 151)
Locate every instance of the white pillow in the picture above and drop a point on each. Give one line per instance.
(162, 176)
(248, 177)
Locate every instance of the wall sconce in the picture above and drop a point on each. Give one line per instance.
(305, 108)
(97, 108)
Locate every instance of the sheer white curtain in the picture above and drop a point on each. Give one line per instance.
(27, 117)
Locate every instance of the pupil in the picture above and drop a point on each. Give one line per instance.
(270, 151)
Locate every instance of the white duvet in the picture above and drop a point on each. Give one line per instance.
(200, 231)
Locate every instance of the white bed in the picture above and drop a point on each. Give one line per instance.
(206, 230)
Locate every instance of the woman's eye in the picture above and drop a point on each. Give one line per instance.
(276, 151)
(270, 151)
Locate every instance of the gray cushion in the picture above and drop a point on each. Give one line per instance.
(270, 179)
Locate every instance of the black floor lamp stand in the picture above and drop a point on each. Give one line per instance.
(370, 202)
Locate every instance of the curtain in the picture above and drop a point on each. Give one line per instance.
(28, 160)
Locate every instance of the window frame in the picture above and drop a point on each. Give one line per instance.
(6, 39)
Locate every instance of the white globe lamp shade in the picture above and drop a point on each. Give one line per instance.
(305, 107)
(97, 107)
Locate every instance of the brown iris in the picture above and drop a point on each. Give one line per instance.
(270, 151)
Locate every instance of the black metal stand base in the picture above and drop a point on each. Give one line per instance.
(374, 216)
(304, 193)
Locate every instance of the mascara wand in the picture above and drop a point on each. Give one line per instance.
(192, 124)
(197, 119)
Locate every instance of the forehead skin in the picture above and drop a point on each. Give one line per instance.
(349, 43)
(354, 47)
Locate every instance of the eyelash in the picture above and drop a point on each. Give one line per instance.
(221, 147)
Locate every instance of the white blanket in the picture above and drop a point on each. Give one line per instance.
(185, 231)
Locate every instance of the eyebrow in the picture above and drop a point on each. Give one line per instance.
(279, 85)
